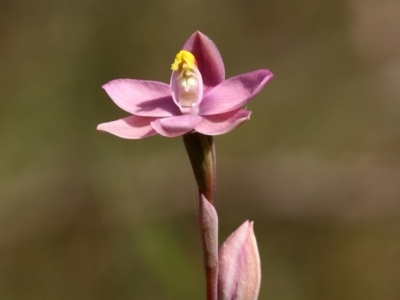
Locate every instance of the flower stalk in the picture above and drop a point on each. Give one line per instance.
(201, 151)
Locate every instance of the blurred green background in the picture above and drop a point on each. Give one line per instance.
(86, 215)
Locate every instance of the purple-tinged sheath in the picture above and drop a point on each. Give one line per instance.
(208, 223)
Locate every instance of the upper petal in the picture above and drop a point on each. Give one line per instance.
(132, 127)
(176, 126)
(209, 60)
(234, 92)
(222, 123)
(142, 97)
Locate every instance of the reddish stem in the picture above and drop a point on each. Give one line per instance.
(201, 151)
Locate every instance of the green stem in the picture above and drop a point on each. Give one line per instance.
(201, 151)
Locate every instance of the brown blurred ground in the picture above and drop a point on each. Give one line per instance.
(85, 215)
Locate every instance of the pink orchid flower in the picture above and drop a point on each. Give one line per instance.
(198, 97)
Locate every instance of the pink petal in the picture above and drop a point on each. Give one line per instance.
(222, 123)
(142, 97)
(209, 60)
(176, 126)
(234, 92)
(133, 127)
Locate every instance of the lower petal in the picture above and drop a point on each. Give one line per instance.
(222, 123)
(132, 127)
(176, 126)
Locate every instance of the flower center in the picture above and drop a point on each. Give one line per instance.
(186, 82)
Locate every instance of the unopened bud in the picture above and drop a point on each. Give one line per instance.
(239, 266)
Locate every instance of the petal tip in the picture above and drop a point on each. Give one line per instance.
(108, 84)
(99, 128)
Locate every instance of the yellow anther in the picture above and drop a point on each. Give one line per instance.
(184, 61)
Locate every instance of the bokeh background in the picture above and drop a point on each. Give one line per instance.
(86, 215)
